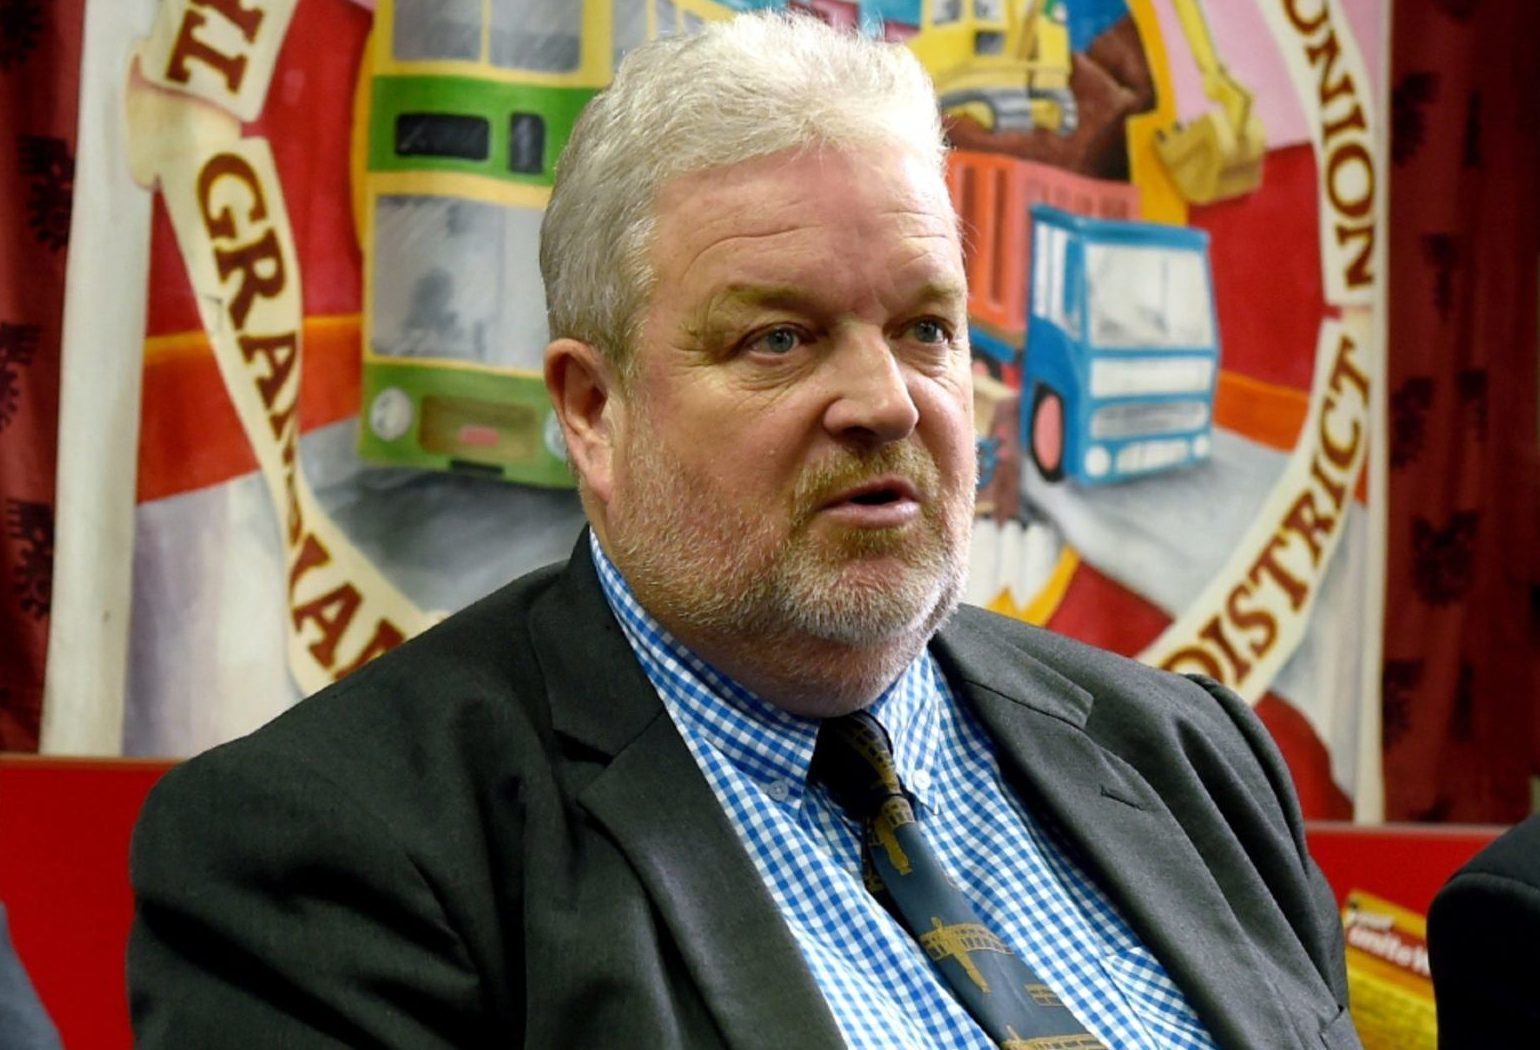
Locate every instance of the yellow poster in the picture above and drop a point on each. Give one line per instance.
(1388, 976)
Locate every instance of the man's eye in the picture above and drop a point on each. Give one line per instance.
(777, 341)
(932, 332)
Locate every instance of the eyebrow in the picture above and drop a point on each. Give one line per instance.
(790, 297)
(738, 296)
(942, 292)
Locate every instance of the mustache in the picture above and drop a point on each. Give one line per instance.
(822, 481)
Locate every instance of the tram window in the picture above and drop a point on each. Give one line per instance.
(429, 29)
(526, 144)
(668, 18)
(457, 279)
(629, 26)
(538, 35)
(442, 135)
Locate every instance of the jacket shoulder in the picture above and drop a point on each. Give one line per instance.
(1112, 689)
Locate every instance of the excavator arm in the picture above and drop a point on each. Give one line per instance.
(1219, 154)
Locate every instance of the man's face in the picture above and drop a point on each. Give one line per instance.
(793, 453)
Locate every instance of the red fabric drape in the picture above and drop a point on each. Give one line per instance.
(39, 78)
(1460, 670)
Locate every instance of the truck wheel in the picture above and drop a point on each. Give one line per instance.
(1045, 441)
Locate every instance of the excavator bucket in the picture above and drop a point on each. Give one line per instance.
(1209, 160)
(1218, 155)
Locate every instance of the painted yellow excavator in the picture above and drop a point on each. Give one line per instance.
(1219, 154)
(1003, 62)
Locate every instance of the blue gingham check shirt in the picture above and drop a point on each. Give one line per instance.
(882, 990)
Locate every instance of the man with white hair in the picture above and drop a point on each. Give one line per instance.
(740, 773)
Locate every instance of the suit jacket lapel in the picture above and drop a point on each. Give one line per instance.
(650, 795)
(1128, 839)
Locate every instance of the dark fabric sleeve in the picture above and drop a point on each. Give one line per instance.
(1482, 932)
(274, 909)
(24, 1024)
(1303, 893)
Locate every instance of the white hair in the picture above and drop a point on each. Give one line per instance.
(738, 90)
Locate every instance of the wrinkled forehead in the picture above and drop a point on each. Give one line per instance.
(832, 234)
(810, 183)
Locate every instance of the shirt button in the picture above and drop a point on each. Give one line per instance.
(920, 779)
(779, 790)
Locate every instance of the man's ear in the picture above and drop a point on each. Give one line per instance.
(585, 393)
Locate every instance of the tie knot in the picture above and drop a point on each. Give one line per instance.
(854, 760)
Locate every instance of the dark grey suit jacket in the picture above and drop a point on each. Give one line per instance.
(494, 836)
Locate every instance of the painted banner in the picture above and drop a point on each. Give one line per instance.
(333, 320)
(1176, 287)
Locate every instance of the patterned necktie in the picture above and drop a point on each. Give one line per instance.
(854, 760)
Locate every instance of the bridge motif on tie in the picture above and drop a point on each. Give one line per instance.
(959, 941)
(895, 813)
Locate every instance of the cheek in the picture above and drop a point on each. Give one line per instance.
(746, 474)
(949, 409)
(750, 447)
(716, 469)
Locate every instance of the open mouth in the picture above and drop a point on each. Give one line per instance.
(877, 497)
(881, 492)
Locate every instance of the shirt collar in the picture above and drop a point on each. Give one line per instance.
(769, 745)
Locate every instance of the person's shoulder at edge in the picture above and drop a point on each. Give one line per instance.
(24, 1023)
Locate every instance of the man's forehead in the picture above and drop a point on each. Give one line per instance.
(756, 216)
(799, 175)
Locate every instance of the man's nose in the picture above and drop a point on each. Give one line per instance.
(871, 404)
